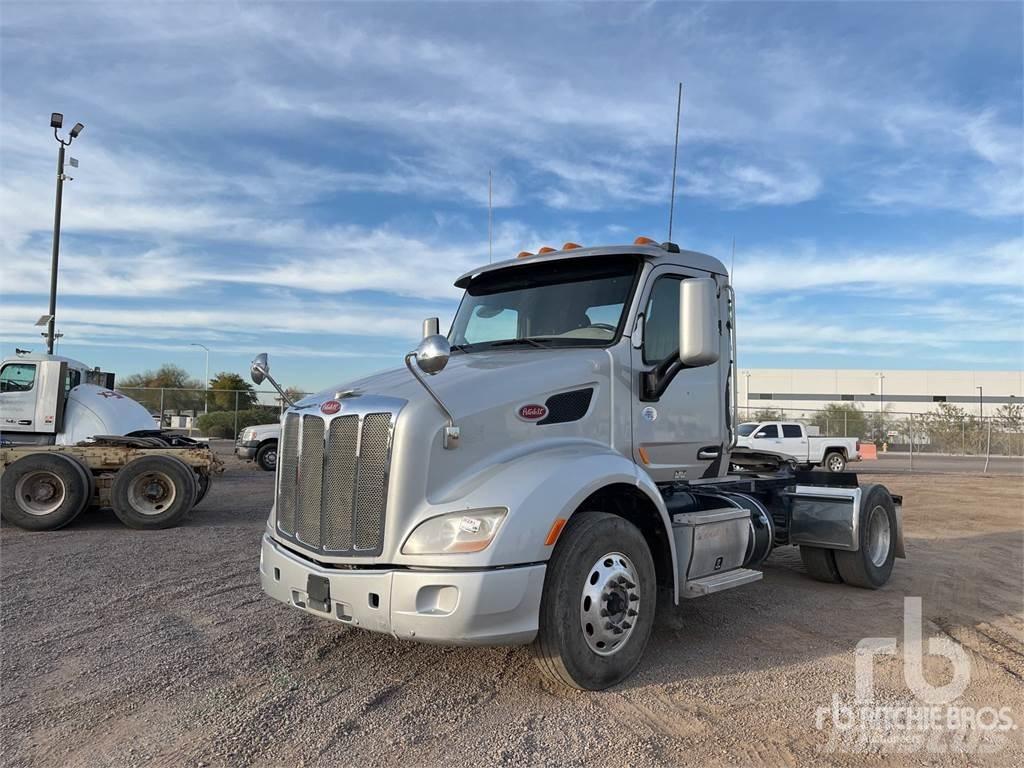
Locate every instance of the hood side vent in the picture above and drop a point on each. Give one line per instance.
(568, 406)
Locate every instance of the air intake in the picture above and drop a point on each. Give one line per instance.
(568, 406)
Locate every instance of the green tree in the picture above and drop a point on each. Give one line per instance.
(767, 414)
(223, 387)
(841, 419)
(951, 430)
(180, 392)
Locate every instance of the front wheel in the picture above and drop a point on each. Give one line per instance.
(597, 610)
(871, 565)
(266, 457)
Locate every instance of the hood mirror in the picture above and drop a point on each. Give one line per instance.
(259, 368)
(432, 354)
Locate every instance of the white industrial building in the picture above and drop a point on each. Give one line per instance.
(893, 390)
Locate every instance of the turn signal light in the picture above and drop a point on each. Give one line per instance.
(570, 246)
(545, 249)
(644, 241)
(524, 255)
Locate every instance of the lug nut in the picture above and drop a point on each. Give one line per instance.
(626, 625)
(631, 612)
(608, 625)
(633, 598)
(617, 630)
(604, 612)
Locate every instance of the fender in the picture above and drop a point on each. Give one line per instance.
(537, 488)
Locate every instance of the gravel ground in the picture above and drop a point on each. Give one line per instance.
(122, 647)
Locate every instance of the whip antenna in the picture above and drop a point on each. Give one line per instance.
(490, 221)
(675, 157)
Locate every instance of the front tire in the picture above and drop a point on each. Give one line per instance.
(266, 457)
(871, 565)
(598, 606)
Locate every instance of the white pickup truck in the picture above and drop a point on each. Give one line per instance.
(259, 444)
(793, 439)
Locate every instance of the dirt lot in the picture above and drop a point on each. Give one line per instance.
(157, 648)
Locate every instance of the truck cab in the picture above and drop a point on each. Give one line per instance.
(540, 472)
(38, 391)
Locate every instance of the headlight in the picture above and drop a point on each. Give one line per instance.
(469, 531)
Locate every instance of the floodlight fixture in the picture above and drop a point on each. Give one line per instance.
(56, 119)
(76, 130)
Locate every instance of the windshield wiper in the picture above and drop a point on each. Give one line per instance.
(514, 342)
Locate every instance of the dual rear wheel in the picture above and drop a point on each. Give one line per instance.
(47, 490)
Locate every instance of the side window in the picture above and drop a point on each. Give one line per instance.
(491, 324)
(73, 380)
(17, 377)
(661, 323)
(768, 431)
(791, 430)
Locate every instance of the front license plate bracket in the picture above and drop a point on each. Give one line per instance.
(318, 593)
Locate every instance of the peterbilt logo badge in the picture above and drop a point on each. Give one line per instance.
(532, 412)
(331, 406)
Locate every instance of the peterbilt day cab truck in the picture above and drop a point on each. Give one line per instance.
(793, 439)
(541, 472)
(70, 442)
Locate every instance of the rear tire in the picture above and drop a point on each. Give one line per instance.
(153, 492)
(820, 564)
(44, 491)
(266, 457)
(601, 564)
(871, 565)
(834, 462)
(203, 481)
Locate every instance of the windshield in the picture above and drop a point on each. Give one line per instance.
(575, 302)
(744, 430)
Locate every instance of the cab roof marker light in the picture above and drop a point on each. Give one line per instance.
(524, 255)
(545, 249)
(571, 246)
(644, 241)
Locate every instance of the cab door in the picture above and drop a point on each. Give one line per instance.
(794, 441)
(681, 434)
(18, 392)
(767, 437)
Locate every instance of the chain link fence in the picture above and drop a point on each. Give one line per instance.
(947, 430)
(209, 413)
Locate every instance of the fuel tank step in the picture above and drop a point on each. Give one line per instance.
(718, 582)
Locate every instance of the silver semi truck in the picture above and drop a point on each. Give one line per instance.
(541, 473)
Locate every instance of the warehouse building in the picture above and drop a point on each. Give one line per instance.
(976, 392)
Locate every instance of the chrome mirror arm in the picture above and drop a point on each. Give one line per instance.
(451, 432)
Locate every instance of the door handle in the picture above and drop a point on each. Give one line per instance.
(708, 453)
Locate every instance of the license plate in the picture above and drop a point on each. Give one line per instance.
(318, 592)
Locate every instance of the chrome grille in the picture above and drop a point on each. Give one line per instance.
(332, 487)
(311, 480)
(287, 459)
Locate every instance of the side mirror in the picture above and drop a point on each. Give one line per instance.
(431, 327)
(432, 354)
(698, 322)
(259, 368)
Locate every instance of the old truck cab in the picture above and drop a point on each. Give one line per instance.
(537, 474)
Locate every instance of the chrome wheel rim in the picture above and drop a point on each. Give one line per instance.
(271, 458)
(835, 463)
(610, 603)
(152, 493)
(40, 493)
(878, 536)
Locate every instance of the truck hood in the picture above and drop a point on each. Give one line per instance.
(480, 381)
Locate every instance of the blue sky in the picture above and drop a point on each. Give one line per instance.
(309, 179)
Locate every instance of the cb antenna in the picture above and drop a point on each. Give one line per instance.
(490, 221)
(675, 157)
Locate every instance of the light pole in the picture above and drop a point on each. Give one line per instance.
(981, 404)
(56, 122)
(746, 375)
(206, 380)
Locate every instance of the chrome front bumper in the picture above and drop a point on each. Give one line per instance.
(488, 607)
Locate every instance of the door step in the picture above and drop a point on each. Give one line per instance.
(720, 581)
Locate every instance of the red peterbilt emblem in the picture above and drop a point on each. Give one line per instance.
(533, 412)
(331, 406)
